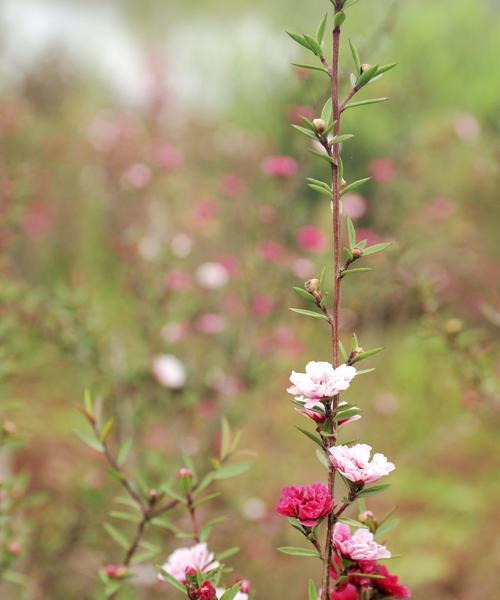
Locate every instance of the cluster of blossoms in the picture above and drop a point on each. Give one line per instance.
(197, 569)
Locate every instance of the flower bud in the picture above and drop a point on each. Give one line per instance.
(357, 252)
(115, 571)
(190, 572)
(365, 67)
(9, 427)
(343, 184)
(319, 125)
(365, 516)
(153, 497)
(245, 586)
(14, 548)
(312, 285)
(185, 473)
(453, 326)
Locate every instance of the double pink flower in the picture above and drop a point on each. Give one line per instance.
(353, 463)
(308, 504)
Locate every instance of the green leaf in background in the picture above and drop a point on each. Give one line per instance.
(116, 535)
(320, 190)
(355, 58)
(340, 17)
(309, 313)
(374, 489)
(312, 591)
(350, 522)
(355, 184)
(324, 156)
(350, 3)
(106, 429)
(124, 451)
(365, 102)
(225, 438)
(376, 248)
(342, 351)
(87, 402)
(351, 232)
(293, 551)
(227, 553)
(320, 33)
(125, 516)
(231, 470)
(386, 527)
(90, 441)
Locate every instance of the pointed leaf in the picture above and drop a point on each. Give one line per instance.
(355, 184)
(293, 551)
(311, 436)
(304, 294)
(364, 102)
(299, 39)
(351, 233)
(313, 45)
(326, 113)
(232, 592)
(312, 591)
(231, 470)
(124, 452)
(376, 248)
(385, 68)
(173, 581)
(322, 459)
(308, 313)
(367, 354)
(365, 77)
(305, 131)
(374, 489)
(320, 33)
(356, 59)
(310, 67)
(116, 535)
(360, 270)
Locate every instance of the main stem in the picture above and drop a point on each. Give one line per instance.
(334, 323)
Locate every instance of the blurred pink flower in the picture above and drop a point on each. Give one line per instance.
(262, 306)
(212, 275)
(174, 332)
(170, 158)
(282, 167)
(354, 464)
(271, 251)
(382, 170)
(312, 239)
(321, 380)
(346, 591)
(181, 245)
(211, 323)
(440, 208)
(231, 186)
(196, 557)
(359, 546)
(38, 221)
(287, 341)
(302, 267)
(267, 214)
(371, 237)
(169, 371)
(230, 263)
(178, 281)
(295, 112)
(205, 210)
(137, 175)
(466, 127)
(308, 504)
(354, 205)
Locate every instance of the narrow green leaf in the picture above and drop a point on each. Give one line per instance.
(310, 67)
(365, 102)
(106, 429)
(355, 184)
(227, 553)
(320, 190)
(125, 516)
(225, 438)
(320, 33)
(322, 459)
(350, 3)
(90, 441)
(374, 489)
(308, 122)
(350, 522)
(232, 592)
(365, 77)
(322, 277)
(385, 68)
(326, 112)
(305, 131)
(342, 351)
(351, 233)
(367, 354)
(358, 270)
(299, 39)
(338, 139)
(303, 294)
(323, 156)
(312, 591)
(320, 183)
(376, 248)
(311, 436)
(173, 581)
(313, 45)
(231, 470)
(116, 535)
(308, 313)
(124, 451)
(386, 527)
(293, 551)
(87, 402)
(355, 58)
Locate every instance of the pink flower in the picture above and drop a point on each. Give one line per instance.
(302, 267)
(206, 592)
(295, 112)
(440, 208)
(321, 380)
(371, 237)
(212, 275)
(359, 546)
(231, 185)
(262, 306)
(169, 371)
(389, 585)
(382, 170)
(282, 167)
(353, 463)
(205, 210)
(38, 221)
(353, 205)
(271, 251)
(308, 504)
(211, 323)
(137, 175)
(169, 158)
(311, 238)
(345, 592)
(466, 127)
(178, 281)
(315, 410)
(230, 263)
(196, 557)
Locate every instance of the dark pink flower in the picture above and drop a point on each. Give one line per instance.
(206, 592)
(389, 585)
(312, 239)
(205, 210)
(345, 592)
(282, 167)
(308, 504)
(382, 170)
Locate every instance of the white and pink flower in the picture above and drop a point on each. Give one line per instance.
(196, 557)
(321, 380)
(169, 371)
(353, 463)
(359, 546)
